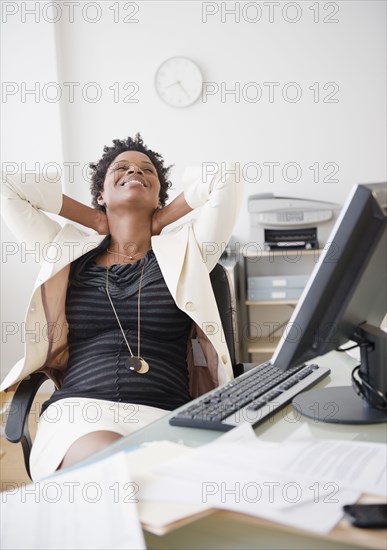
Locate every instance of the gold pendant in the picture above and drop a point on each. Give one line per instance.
(138, 364)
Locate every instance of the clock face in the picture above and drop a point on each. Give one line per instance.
(179, 81)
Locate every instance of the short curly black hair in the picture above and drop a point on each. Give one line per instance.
(99, 169)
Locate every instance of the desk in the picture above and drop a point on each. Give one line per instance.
(226, 530)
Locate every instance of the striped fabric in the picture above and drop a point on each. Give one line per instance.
(97, 365)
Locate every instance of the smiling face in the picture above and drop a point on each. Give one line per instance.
(131, 180)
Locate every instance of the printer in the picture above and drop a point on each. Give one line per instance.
(286, 222)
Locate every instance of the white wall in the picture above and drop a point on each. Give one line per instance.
(349, 53)
(31, 140)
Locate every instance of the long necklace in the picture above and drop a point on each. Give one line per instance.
(136, 363)
(125, 255)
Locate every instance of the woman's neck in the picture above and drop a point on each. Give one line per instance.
(130, 234)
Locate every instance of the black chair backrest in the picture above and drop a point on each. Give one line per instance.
(221, 287)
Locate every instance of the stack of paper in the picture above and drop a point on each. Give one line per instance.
(87, 507)
(303, 484)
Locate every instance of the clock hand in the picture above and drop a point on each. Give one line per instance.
(182, 87)
(173, 84)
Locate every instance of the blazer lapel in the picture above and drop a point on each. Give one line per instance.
(169, 250)
(69, 244)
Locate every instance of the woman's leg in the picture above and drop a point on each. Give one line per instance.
(65, 433)
(87, 445)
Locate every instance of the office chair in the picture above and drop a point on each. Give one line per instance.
(17, 429)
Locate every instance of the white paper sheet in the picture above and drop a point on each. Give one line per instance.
(163, 511)
(355, 465)
(352, 464)
(276, 499)
(301, 483)
(93, 506)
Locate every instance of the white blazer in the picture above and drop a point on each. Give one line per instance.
(186, 255)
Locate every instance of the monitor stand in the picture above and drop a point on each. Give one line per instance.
(341, 404)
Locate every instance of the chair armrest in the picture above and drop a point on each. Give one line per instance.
(16, 428)
(241, 368)
(238, 369)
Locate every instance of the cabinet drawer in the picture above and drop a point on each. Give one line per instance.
(280, 282)
(258, 294)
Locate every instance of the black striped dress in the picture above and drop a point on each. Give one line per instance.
(98, 354)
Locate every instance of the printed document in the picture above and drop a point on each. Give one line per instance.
(93, 506)
(301, 483)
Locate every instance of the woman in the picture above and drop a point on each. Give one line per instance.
(116, 311)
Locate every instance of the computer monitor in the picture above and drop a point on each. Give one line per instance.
(346, 300)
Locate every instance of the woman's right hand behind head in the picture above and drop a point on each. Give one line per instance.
(101, 224)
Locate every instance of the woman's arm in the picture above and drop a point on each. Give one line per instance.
(85, 215)
(170, 213)
(220, 196)
(27, 198)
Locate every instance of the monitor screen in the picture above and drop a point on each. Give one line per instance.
(347, 291)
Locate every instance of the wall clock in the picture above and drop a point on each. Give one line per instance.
(178, 81)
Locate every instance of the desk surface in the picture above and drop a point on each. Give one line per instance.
(230, 530)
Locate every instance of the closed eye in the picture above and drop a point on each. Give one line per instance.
(150, 170)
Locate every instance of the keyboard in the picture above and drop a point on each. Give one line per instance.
(251, 397)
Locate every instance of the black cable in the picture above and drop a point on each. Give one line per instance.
(347, 349)
(362, 387)
(365, 390)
